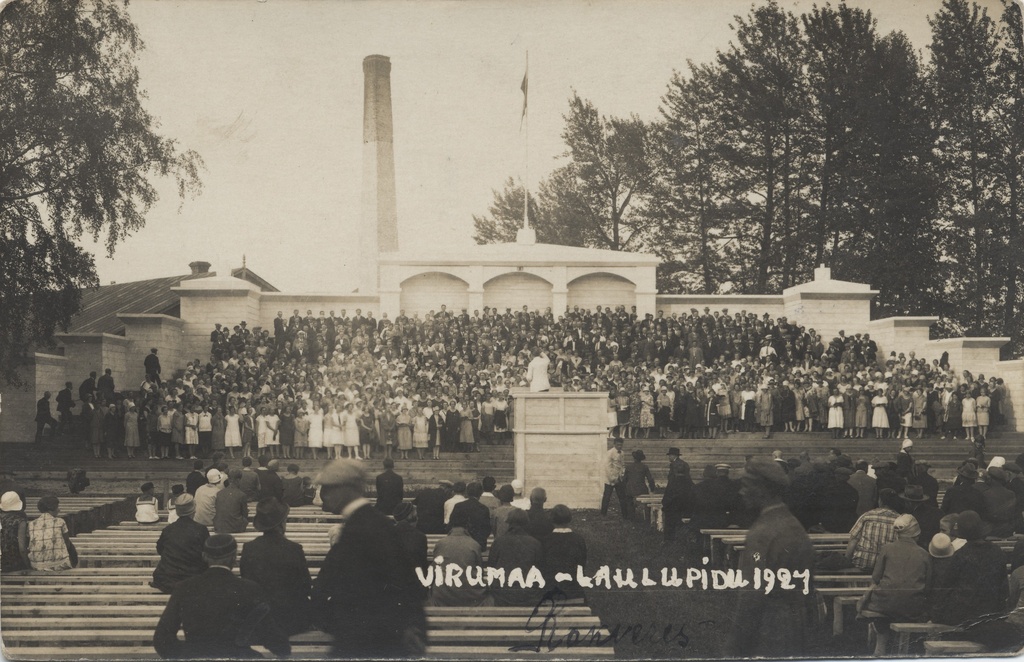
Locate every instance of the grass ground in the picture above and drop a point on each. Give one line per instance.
(672, 623)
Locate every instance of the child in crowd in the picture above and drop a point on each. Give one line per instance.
(146, 506)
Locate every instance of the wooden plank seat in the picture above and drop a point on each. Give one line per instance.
(307, 651)
(906, 633)
(523, 613)
(939, 648)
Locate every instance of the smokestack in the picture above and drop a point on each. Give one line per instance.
(199, 267)
(379, 213)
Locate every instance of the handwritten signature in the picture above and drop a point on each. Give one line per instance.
(544, 622)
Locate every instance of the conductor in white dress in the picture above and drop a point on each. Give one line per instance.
(537, 372)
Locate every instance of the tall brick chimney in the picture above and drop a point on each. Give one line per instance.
(379, 212)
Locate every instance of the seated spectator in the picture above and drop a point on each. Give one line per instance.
(413, 541)
(206, 497)
(947, 525)
(390, 488)
(460, 548)
(223, 616)
(873, 530)
(180, 547)
(979, 579)
(929, 518)
(231, 508)
(270, 481)
(517, 549)
(291, 487)
(196, 478)
(250, 481)
(1001, 509)
(499, 520)
(146, 506)
(458, 496)
(899, 584)
(519, 501)
(478, 515)
(838, 502)
(488, 498)
(13, 533)
(49, 545)
(941, 591)
(962, 495)
(278, 565)
(176, 491)
(564, 551)
(539, 525)
(430, 507)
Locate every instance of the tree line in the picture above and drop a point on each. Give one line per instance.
(814, 139)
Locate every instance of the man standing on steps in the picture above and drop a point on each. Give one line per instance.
(152, 366)
(678, 492)
(615, 479)
(65, 403)
(44, 418)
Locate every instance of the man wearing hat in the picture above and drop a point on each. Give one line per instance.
(962, 495)
(837, 501)
(770, 625)
(413, 541)
(279, 566)
(223, 616)
(678, 493)
(180, 547)
(926, 481)
(928, 516)
(361, 594)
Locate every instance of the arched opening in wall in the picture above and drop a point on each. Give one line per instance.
(601, 289)
(515, 290)
(429, 291)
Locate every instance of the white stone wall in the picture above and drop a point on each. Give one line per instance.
(44, 372)
(734, 303)
(144, 332)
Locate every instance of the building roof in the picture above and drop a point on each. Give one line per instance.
(101, 305)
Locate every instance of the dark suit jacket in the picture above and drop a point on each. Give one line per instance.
(194, 481)
(430, 510)
(540, 525)
(222, 615)
(270, 484)
(479, 520)
(232, 514)
(181, 553)
(390, 491)
(414, 544)
(279, 566)
(361, 594)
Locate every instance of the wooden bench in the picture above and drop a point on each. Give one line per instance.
(907, 632)
(940, 648)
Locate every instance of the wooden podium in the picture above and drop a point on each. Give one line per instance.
(560, 443)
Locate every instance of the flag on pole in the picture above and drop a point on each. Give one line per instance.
(525, 88)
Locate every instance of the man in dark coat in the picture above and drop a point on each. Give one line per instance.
(152, 366)
(223, 616)
(250, 481)
(87, 387)
(866, 486)
(430, 507)
(715, 499)
(540, 524)
(904, 461)
(413, 541)
(478, 516)
(917, 503)
(180, 547)
(838, 501)
(361, 594)
(390, 488)
(772, 625)
(279, 566)
(271, 484)
(44, 418)
(65, 403)
(678, 493)
(196, 479)
(962, 495)
(105, 386)
(232, 507)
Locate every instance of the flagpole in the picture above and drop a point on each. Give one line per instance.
(526, 150)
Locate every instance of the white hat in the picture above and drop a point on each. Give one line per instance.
(907, 443)
(997, 461)
(214, 477)
(517, 486)
(10, 502)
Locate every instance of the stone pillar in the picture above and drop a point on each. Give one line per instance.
(379, 210)
(39, 373)
(560, 443)
(146, 331)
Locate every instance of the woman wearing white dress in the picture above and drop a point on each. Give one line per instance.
(332, 432)
(879, 416)
(273, 444)
(316, 431)
(835, 413)
(232, 430)
(262, 430)
(350, 431)
(970, 414)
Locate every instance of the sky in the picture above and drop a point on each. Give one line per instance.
(269, 93)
